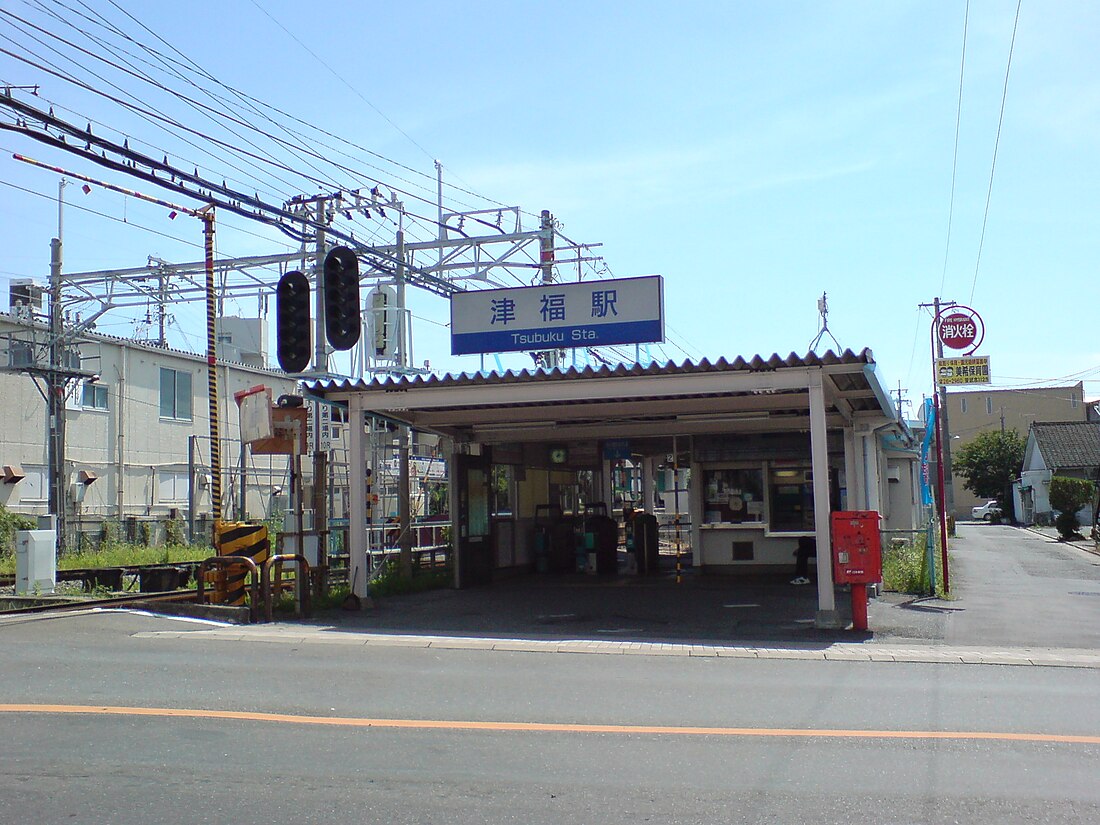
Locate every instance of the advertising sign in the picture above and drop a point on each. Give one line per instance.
(972, 370)
(558, 316)
(961, 328)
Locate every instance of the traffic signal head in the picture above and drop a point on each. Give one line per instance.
(341, 285)
(292, 322)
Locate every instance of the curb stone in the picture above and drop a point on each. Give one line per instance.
(870, 653)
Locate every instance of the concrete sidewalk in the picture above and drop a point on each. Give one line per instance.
(1018, 597)
(298, 635)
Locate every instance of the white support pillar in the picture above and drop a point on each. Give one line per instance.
(607, 487)
(827, 616)
(649, 478)
(357, 491)
(857, 495)
(871, 468)
(851, 475)
(453, 482)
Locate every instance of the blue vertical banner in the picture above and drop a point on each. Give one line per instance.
(925, 447)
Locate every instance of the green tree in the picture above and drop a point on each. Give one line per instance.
(1069, 495)
(990, 463)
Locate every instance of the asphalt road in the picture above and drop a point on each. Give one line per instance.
(1019, 587)
(416, 735)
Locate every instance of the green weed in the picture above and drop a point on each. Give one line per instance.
(905, 567)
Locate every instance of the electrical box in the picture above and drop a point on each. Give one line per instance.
(309, 547)
(857, 547)
(35, 562)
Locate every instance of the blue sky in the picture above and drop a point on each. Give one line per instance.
(755, 154)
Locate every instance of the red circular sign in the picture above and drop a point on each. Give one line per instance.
(962, 329)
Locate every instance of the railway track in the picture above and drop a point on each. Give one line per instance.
(146, 577)
(115, 601)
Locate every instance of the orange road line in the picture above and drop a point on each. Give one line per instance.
(542, 727)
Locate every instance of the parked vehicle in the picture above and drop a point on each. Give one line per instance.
(986, 512)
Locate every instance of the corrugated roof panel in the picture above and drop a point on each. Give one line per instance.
(756, 363)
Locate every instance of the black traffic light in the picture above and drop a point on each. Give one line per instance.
(342, 315)
(292, 332)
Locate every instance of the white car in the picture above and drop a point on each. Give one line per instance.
(986, 511)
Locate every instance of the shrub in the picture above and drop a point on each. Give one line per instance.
(9, 523)
(173, 529)
(1069, 495)
(1067, 525)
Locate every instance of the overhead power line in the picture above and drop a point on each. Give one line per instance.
(996, 145)
(955, 153)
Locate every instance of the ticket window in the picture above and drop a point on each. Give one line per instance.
(791, 493)
(733, 496)
(791, 498)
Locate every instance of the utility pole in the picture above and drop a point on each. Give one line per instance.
(948, 472)
(320, 345)
(320, 365)
(901, 398)
(56, 383)
(546, 263)
(943, 449)
(162, 310)
(941, 392)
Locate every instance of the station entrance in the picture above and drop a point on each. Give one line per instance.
(754, 454)
(567, 507)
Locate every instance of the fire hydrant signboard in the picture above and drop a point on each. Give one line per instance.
(961, 328)
(558, 316)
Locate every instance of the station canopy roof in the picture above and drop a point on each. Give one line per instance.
(626, 401)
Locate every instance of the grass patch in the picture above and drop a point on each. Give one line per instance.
(331, 600)
(120, 555)
(391, 583)
(905, 567)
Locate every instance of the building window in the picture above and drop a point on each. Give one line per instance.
(989, 405)
(171, 486)
(93, 396)
(962, 403)
(1073, 399)
(792, 499)
(175, 394)
(733, 495)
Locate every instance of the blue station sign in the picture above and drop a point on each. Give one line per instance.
(558, 316)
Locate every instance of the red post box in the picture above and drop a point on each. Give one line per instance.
(857, 556)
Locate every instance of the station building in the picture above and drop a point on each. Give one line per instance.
(770, 447)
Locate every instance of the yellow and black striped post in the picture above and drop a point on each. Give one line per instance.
(207, 215)
(238, 539)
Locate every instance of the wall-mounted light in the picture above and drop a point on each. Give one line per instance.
(13, 474)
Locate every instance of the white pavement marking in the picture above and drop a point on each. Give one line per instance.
(867, 652)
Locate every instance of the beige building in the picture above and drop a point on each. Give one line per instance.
(971, 412)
